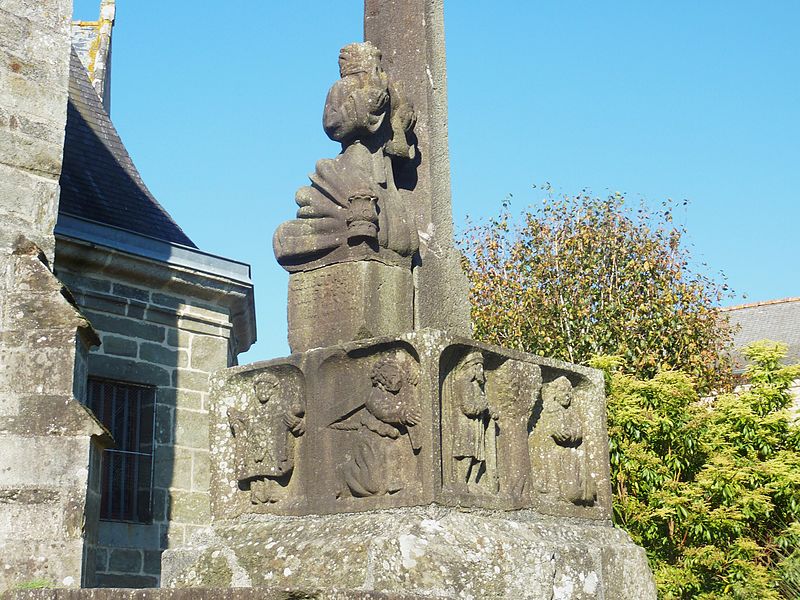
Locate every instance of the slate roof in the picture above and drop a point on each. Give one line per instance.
(99, 182)
(777, 320)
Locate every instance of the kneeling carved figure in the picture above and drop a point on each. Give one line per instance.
(353, 209)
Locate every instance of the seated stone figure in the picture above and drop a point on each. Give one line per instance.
(353, 209)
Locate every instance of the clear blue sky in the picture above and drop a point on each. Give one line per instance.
(220, 103)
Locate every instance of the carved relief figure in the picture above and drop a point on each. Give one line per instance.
(473, 428)
(389, 414)
(513, 391)
(265, 439)
(560, 462)
(353, 199)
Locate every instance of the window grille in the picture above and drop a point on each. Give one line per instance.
(129, 413)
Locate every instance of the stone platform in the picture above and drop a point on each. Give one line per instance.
(426, 464)
(205, 594)
(427, 551)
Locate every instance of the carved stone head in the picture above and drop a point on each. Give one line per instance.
(359, 58)
(471, 367)
(559, 390)
(265, 387)
(388, 374)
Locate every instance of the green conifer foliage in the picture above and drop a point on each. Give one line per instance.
(710, 486)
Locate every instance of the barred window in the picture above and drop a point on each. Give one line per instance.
(128, 412)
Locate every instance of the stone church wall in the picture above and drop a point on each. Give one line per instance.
(48, 440)
(173, 342)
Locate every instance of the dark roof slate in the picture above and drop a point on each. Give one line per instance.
(778, 320)
(99, 182)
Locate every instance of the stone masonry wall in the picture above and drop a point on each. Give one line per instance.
(172, 342)
(34, 68)
(47, 439)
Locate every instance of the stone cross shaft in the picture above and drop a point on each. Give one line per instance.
(410, 35)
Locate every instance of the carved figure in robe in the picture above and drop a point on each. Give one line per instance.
(559, 460)
(264, 436)
(389, 413)
(473, 451)
(353, 200)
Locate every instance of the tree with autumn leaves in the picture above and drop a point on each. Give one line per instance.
(705, 478)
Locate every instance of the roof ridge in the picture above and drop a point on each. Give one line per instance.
(760, 303)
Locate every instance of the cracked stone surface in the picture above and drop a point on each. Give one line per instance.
(430, 551)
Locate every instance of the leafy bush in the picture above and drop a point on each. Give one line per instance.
(710, 487)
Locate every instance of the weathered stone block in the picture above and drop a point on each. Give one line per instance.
(178, 338)
(136, 309)
(189, 507)
(190, 399)
(125, 326)
(114, 534)
(165, 424)
(160, 504)
(66, 465)
(173, 468)
(127, 291)
(190, 380)
(167, 300)
(152, 562)
(53, 14)
(101, 560)
(201, 471)
(75, 282)
(209, 353)
(120, 346)
(191, 429)
(161, 355)
(349, 301)
(428, 551)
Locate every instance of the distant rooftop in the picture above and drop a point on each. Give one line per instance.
(99, 181)
(777, 320)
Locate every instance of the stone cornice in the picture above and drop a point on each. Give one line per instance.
(95, 249)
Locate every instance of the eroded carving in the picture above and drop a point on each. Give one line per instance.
(386, 420)
(264, 434)
(353, 209)
(559, 460)
(473, 449)
(513, 391)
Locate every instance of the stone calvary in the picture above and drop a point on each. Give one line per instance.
(390, 452)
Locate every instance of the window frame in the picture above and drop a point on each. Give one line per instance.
(140, 515)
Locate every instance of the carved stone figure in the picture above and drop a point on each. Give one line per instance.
(513, 391)
(559, 461)
(390, 412)
(473, 434)
(352, 209)
(265, 439)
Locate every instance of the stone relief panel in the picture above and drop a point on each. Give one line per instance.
(519, 431)
(392, 422)
(264, 426)
(558, 453)
(374, 427)
(258, 423)
(353, 209)
(469, 430)
(513, 389)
